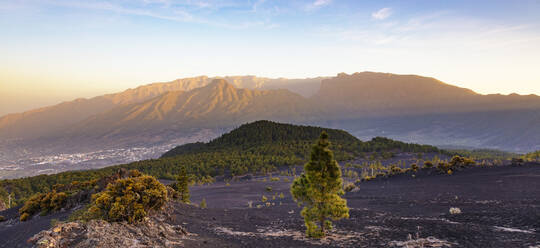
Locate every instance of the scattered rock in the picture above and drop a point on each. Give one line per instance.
(152, 232)
(422, 242)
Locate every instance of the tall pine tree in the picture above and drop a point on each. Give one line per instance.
(182, 185)
(319, 189)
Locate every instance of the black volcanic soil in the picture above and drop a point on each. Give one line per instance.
(500, 208)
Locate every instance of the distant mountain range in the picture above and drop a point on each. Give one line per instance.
(405, 107)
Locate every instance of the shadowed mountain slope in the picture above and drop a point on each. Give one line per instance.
(384, 94)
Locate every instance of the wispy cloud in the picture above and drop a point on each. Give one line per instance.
(256, 5)
(321, 2)
(382, 14)
(188, 11)
(435, 32)
(318, 4)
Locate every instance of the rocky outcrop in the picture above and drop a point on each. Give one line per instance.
(153, 232)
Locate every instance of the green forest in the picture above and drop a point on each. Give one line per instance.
(259, 147)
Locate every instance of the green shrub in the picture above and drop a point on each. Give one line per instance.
(203, 203)
(458, 161)
(24, 217)
(414, 167)
(394, 170)
(368, 178)
(428, 164)
(349, 187)
(43, 203)
(129, 199)
(443, 167)
(281, 195)
(264, 199)
(269, 189)
(2, 218)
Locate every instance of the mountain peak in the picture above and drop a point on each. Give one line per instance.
(220, 84)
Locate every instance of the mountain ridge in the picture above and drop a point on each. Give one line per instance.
(367, 104)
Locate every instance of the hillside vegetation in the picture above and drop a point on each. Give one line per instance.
(532, 156)
(403, 107)
(259, 147)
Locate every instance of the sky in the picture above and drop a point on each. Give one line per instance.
(58, 50)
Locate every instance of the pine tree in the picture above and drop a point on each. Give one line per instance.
(319, 189)
(182, 185)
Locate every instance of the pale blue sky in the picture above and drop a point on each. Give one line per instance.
(54, 50)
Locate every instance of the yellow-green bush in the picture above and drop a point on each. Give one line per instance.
(349, 187)
(203, 203)
(428, 164)
(128, 199)
(274, 179)
(24, 217)
(42, 203)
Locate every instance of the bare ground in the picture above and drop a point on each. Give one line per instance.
(500, 207)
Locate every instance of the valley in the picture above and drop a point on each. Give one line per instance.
(399, 195)
(409, 108)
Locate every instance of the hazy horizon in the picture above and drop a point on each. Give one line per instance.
(59, 50)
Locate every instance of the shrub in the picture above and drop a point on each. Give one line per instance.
(349, 187)
(31, 206)
(203, 203)
(43, 203)
(443, 167)
(274, 179)
(2, 218)
(24, 217)
(458, 161)
(395, 170)
(368, 178)
(269, 189)
(414, 167)
(428, 164)
(281, 195)
(264, 199)
(129, 199)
